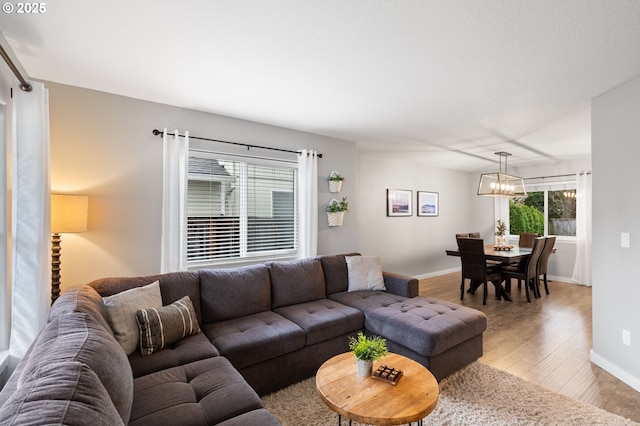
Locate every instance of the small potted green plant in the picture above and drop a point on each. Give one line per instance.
(336, 210)
(366, 350)
(501, 230)
(335, 181)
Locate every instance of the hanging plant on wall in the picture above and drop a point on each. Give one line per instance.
(335, 181)
(336, 210)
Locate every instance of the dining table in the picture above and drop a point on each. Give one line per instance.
(505, 255)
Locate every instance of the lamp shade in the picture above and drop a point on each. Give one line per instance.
(501, 185)
(69, 213)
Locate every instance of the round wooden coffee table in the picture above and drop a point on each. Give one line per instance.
(371, 401)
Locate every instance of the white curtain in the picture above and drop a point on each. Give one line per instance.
(308, 203)
(174, 202)
(30, 216)
(582, 268)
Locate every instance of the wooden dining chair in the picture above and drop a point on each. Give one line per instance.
(526, 239)
(544, 260)
(474, 266)
(526, 272)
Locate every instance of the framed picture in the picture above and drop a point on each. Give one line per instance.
(428, 203)
(399, 202)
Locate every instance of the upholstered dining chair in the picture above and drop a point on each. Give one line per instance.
(468, 235)
(549, 242)
(526, 272)
(526, 239)
(474, 266)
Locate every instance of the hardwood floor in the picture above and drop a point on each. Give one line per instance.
(545, 342)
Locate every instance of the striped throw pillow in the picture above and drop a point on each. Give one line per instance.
(162, 327)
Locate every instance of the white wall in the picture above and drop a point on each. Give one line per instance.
(102, 146)
(416, 245)
(615, 142)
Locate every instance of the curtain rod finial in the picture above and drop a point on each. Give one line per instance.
(156, 132)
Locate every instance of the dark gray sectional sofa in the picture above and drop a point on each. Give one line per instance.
(263, 327)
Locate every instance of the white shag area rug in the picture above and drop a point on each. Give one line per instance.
(476, 395)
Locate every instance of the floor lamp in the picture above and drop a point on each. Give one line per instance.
(68, 215)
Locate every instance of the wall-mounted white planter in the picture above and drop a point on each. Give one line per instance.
(335, 219)
(334, 185)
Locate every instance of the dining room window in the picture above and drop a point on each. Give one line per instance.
(548, 209)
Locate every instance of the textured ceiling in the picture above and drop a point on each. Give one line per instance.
(446, 82)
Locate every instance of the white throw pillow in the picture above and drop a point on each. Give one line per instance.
(365, 273)
(122, 308)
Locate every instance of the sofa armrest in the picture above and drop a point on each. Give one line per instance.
(401, 285)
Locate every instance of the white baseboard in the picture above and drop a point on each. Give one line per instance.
(561, 279)
(615, 371)
(449, 271)
(437, 273)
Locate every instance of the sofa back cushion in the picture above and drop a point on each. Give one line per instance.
(77, 337)
(173, 286)
(233, 293)
(297, 281)
(81, 298)
(61, 393)
(336, 274)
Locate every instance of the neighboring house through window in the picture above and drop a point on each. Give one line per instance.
(240, 209)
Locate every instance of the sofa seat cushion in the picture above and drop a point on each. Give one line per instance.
(366, 300)
(205, 392)
(426, 326)
(254, 338)
(189, 349)
(323, 319)
(260, 417)
(61, 393)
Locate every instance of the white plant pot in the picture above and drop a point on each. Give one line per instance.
(335, 219)
(335, 185)
(364, 367)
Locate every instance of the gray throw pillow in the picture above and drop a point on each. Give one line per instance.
(365, 273)
(122, 308)
(162, 327)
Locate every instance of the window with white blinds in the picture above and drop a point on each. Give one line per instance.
(239, 209)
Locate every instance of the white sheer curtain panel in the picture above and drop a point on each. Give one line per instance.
(582, 268)
(30, 216)
(307, 203)
(175, 153)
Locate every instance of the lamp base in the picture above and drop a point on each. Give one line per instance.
(55, 266)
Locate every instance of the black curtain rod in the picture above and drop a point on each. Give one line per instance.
(159, 133)
(24, 86)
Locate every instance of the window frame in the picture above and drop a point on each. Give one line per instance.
(567, 183)
(249, 258)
